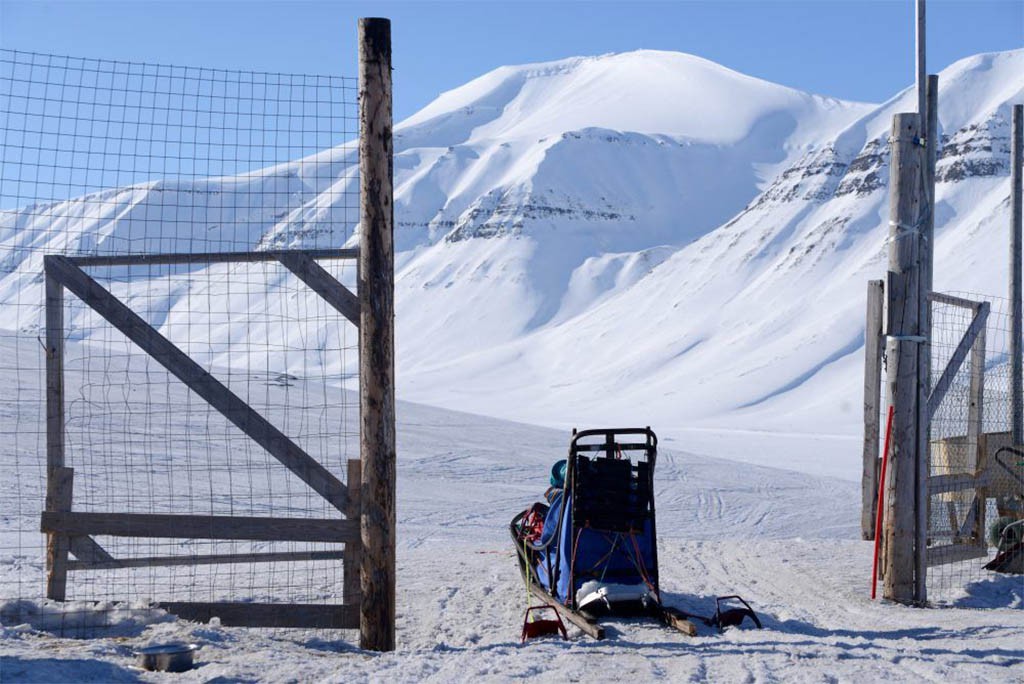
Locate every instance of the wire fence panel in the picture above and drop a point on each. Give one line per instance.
(104, 158)
(972, 497)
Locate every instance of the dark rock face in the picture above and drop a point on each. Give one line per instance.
(506, 215)
(868, 171)
(813, 177)
(975, 151)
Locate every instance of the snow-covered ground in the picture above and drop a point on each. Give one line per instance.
(785, 540)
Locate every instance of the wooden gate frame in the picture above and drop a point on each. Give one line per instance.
(972, 527)
(972, 344)
(72, 532)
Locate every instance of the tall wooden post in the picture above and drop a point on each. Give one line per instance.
(1016, 242)
(376, 341)
(927, 247)
(873, 341)
(904, 330)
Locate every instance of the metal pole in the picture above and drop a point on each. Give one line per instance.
(1016, 240)
(927, 248)
(920, 49)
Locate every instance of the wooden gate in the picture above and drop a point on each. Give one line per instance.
(957, 479)
(71, 533)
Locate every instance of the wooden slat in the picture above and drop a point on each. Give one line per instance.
(976, 419)
(943, 298)
(955, 482)
(207, 559)
(58, 499)
(958, 358)
(208, 257)
(873, 345)
(323, 283)
(589, 627)
(243, 416)
(54, 374)
(969, 528)
(351, 588)
(201, 527)
(678, 621)
(87, 550)
(308, 615)
(953, 553)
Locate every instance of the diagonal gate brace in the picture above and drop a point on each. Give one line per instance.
(323, 283)
(179, 364)
(958, 358)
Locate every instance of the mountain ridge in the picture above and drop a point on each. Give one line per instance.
(558, 257)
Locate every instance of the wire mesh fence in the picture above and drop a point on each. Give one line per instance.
(976, 484)
(115, 158)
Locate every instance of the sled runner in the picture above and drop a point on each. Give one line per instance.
(591, 549)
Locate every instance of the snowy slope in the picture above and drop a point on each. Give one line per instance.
(758, 323)
(644, 237)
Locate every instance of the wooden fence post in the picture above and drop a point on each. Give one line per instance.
(376, 339)
(905, 336)
(927, 248)
(1016, 241)
(58, 477)
(872, 409)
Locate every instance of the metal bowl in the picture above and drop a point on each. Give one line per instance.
(176, 657)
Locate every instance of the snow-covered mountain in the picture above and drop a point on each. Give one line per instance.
(633, 238)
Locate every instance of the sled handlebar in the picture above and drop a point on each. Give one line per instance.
(612, 440)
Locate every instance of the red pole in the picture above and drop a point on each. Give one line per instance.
(881, 491)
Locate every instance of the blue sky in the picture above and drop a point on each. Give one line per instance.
(861, 50)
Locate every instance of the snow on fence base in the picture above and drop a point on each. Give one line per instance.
(85, 619)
